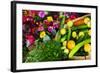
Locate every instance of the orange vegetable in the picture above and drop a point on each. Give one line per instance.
(79, 22)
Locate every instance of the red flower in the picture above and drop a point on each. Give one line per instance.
(28, 19)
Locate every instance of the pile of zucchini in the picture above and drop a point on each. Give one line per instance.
(75, 36)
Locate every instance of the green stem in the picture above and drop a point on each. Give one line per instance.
(62, 22)
(58, 35)
(69, 34)
(63, 38)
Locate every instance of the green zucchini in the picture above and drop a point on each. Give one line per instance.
(77, 47)
(84, 26)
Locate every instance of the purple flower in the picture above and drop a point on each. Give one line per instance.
(41, 14)
(50, 28)
(55, 25)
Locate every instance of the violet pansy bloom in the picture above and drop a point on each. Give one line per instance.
(41, 14)
(50, 28)
(56, 25)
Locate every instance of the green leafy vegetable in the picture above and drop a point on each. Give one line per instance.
(49, 51)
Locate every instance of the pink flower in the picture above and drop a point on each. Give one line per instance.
(46, 22)
(50, 28)
(72, 17)
(40, 28)
(29, 40)
(56, 25)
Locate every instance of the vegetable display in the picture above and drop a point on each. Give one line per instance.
(55, 36)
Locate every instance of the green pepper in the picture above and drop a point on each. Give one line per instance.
(77, 47)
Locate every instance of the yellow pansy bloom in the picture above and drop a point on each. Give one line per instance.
(42, 34)
(49, 18)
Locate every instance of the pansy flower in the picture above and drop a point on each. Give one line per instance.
(32, 13)
(50, 18)
(40, 28)
(55, 25)
(27, 18)
(50, 28)
(42, 34)
(29, 40)
(72, 15)
(55, 17)
(41, 14)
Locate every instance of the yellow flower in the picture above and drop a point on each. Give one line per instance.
(64, 43)
(87, 47)
(89, 32)
(70, 23)
(86, 20)
(71, 44)
(89, 24)
(49, 18)
(63, 47)
(42, 34)
(81, 34)
(63, 31)
(74, 34)
(66, 51)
